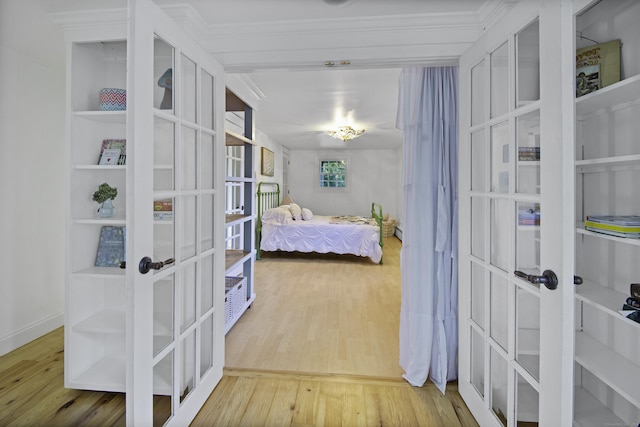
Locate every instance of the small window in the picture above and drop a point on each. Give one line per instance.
(332, 174)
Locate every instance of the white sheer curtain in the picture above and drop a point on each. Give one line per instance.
(427, 114)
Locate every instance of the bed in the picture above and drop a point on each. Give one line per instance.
(278, 230)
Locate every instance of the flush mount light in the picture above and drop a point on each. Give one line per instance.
(346, 133)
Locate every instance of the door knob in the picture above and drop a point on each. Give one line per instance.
(548, 277)
(147, 264)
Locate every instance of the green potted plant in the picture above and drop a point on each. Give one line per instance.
(105, 195)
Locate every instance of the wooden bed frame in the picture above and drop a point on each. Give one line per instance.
(269, 197)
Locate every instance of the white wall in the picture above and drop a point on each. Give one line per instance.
(33, 171)
(373, 177)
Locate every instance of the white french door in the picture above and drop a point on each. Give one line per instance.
(516, 219)
(175, 287)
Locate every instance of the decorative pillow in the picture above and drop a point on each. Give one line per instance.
(296, 211)
(286, 200)
(307, 214)
(279, 215)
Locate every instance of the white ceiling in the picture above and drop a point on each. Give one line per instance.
(279, 47)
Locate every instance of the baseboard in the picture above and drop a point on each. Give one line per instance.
(25, 335)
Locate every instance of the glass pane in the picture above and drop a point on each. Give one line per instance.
(188, 373)
(162, 390)
(528, 331)
(235, 161)
(477, 294)
(163, 75)
(478, 94)
(234, 199)
(163, 155)
(478, 227)
(499, 237)
(500, 158)
(499, 309)
(163, 313)
(189, 157)
(206, 345)
(188, 291)
(528, 238)
(206, 236)
(499, 386)
(188, 217)
(478, 161)
(477, 361)
(499, 80)
(163, 230)
(188, 89)
(528, 142)
(206, 284)
(207, 161)
(528, 64)
(527, 400)
(207, 119)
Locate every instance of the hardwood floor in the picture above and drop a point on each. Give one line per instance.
(319, 347)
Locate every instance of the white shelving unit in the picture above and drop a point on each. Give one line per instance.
(240, 201)
(607, 351)
(96, 299)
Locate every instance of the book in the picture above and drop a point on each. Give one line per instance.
(163, 209)
(612, 232)
(623, 220)
(114, 144)
(528, 153)
(109, 156)
(613, 227)
(529, 214)
(597, 66)
(111, 246)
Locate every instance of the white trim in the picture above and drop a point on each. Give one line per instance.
(29, 333)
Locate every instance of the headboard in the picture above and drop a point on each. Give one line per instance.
(268, 196)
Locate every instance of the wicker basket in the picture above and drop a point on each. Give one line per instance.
(389, 227)
(234, 296)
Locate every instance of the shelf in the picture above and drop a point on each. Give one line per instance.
(101, 167)
(606, 299)
(590, 412)
(106, 322)
(623, 92)
(625, 240)
(234, 257)
(233, 219)
(528, 342)
(108, 374)
(619, 373)
(101, 221)
(101, 272)
(103, 116)
(235, 139)
(239, 179)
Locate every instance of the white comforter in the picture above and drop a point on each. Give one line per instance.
(320, 235)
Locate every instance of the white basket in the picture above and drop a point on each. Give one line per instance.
(389, 227)
(235, 296)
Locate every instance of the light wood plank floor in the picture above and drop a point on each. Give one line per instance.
(319, 347)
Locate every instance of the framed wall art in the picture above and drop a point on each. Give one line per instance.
(267, 162)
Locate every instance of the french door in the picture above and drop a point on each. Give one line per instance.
(175, 313)
(516, 219)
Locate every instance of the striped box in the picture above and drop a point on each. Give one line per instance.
(112, 99)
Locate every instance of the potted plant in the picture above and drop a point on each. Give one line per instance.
(105, 195)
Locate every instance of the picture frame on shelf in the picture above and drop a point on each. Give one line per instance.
(597, 66)
(267, 168)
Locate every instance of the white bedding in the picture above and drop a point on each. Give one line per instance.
(322, 236)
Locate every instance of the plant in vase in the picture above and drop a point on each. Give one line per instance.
(105, 195)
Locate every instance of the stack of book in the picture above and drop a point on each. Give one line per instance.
(614, 225)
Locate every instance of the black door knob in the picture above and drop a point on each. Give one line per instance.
(548, 277)
(147, 264)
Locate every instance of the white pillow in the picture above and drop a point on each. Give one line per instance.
(296, 212)
(307, 214)
(279, 215)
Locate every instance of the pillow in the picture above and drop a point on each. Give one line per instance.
(280, 215)
(307, 214)
(296, 212)
(385, 217)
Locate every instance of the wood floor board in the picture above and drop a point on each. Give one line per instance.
(319, 347)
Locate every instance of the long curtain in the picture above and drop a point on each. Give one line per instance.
(427, 114)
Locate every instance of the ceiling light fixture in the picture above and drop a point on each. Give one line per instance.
(346, 133)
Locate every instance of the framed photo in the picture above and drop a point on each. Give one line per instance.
(267, 162)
